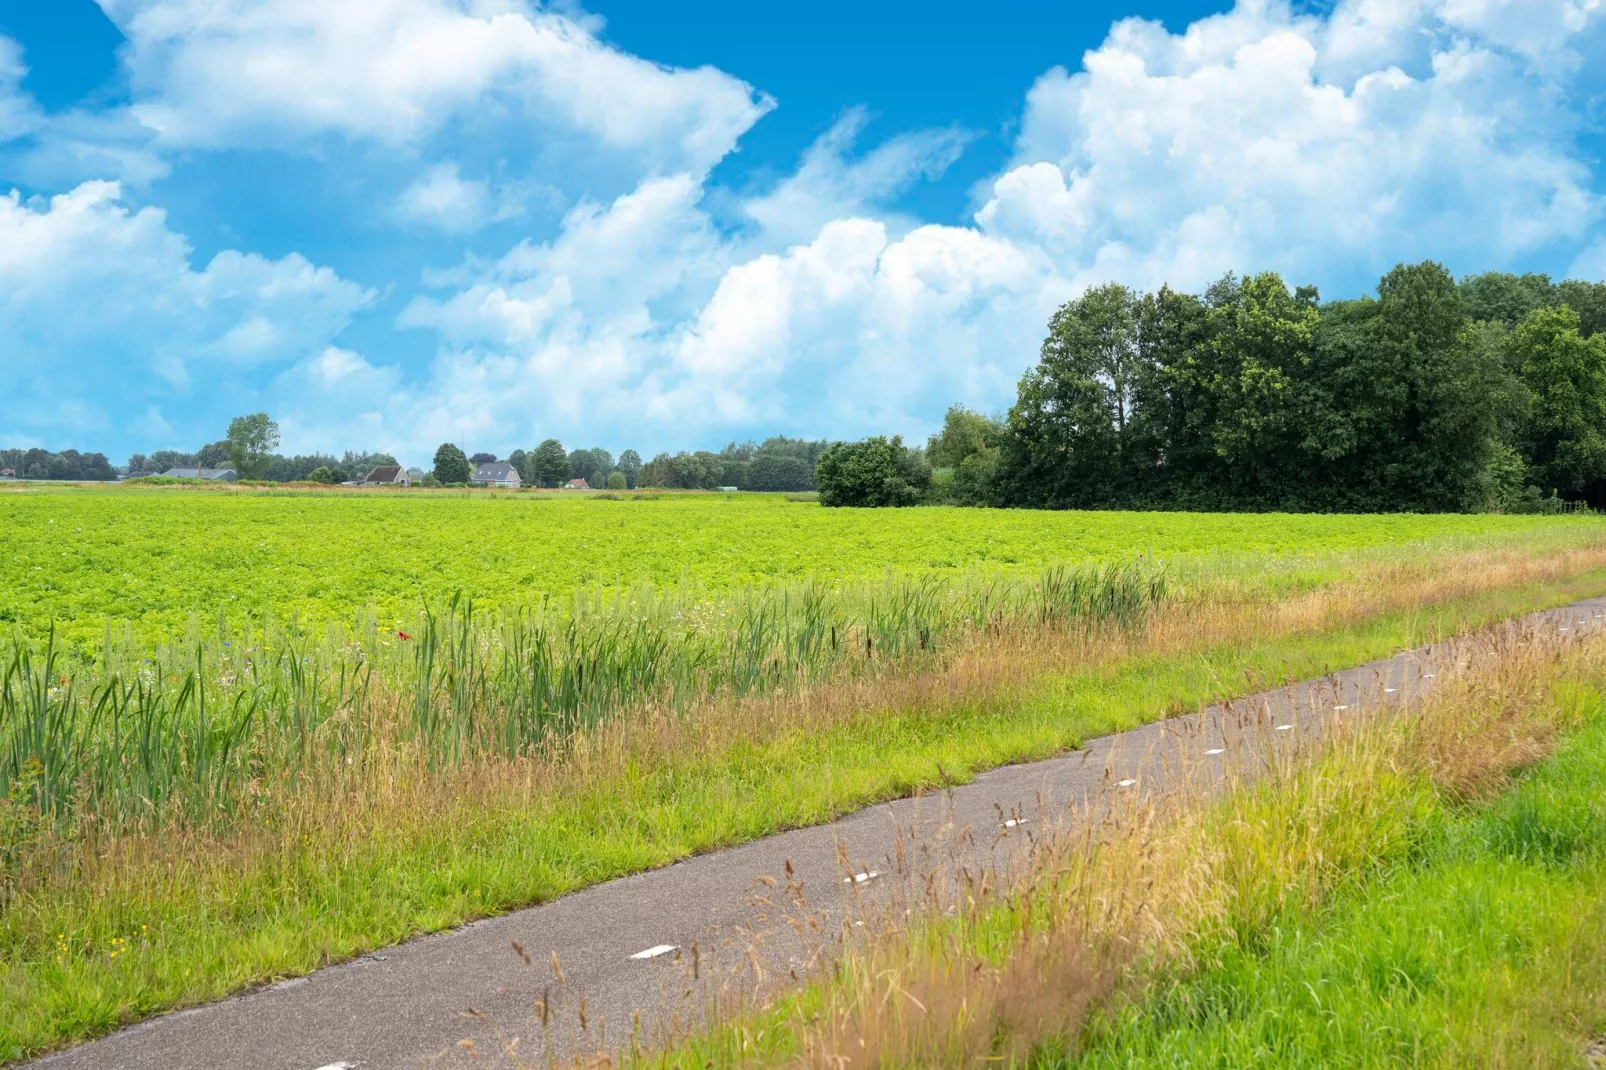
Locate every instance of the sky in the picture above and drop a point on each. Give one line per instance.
(631, 224)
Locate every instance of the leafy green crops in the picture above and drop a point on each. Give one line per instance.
(161, 557)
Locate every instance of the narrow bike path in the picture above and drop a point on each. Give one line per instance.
(625, 948)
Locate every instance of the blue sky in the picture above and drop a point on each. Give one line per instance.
(395, 222)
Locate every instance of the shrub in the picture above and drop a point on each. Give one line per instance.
(876, 472)
(321, 474)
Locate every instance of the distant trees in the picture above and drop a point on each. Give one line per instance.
(550, 464)
(875, 472)
(483, 458)
(451, 466)
(591, 465)
(964, 457)
(776, 464)
(251, 441)
(67, 465)
(630, 465)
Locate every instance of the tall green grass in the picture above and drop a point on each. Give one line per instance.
(195, 729)
(1486, 948)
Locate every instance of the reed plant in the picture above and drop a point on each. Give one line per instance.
(194, 730)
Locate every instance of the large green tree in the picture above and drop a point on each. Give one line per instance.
(1564, 435)
(451, 465)
(630, 465)
(251, 442)
(550, 464)
(969, 447)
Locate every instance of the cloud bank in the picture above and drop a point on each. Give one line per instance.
(662, 306)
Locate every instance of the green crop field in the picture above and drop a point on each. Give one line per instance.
(154, 557)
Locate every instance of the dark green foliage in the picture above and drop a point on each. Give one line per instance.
(875, 472)
(550, 464)
(451, 466)
(1588, 299)
(322, 474)
(522, 464)
(1565, 374)
(630, 465)
(1432, 396)
(1496, 297)
(591, 465)
(687, 471)
(964, 457)
(68, 464)
(775, 471)
(251, 442)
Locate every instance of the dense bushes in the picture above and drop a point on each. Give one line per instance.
(875, 472)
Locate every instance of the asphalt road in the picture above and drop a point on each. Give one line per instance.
(724, 918)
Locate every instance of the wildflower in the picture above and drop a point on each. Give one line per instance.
(403, 636)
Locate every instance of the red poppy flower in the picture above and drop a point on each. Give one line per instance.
(403, 636)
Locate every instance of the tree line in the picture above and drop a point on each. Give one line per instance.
(68, 464)
(1434, 395)
(776, 464)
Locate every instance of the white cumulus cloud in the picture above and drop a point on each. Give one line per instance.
(1231, 131)
(100, 305)
(243, 72)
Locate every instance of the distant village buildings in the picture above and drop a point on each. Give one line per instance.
(496, 474)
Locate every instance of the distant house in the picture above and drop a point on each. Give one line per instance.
(211, 475)
(577, 484)
(414, 475)
(8, 473)
(730, 490)
(496, 474)
(389, 475)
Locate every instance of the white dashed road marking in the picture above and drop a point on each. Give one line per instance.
(654, 951)
(860, 878)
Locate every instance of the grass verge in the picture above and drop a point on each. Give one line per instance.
(112, 930)
(1488, 949)
(1404, 894)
